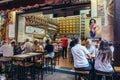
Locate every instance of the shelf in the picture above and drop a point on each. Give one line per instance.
(70, 25)
(83, 21)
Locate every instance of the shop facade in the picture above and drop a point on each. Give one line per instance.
(100, 10)
(104, 10)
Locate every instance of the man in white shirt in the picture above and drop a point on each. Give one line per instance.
(79, 53)
(27, 47)
(7, 50)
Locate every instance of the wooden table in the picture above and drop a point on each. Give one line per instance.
(23, 59)
(25, 56)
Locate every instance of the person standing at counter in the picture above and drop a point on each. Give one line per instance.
(64, 46)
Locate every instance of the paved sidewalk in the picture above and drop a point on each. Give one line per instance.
(58, 76)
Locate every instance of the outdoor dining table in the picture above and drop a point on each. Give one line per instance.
(23, 59)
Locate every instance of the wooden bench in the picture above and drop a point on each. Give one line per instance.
(83, 72)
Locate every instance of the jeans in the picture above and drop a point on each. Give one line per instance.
(84, 68)
(92, 34)
(64, 52)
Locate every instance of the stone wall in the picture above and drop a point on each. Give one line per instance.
(106, 12)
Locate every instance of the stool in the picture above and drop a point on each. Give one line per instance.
(50, 61)
(39, 68)
(56, 57)
(103, 74)
(117, 69)
(82, 72)
(24, 68)
(117, 72)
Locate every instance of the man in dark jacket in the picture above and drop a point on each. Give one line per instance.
(16, 48)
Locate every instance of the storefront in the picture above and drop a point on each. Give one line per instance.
(76, 26)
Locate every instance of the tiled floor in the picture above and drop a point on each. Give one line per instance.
(64, 63)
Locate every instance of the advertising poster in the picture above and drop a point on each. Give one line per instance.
(98, 30)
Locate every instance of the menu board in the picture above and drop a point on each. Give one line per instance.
(34, 30)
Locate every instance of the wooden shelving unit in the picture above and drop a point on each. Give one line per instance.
(70, 25)
(82, 28)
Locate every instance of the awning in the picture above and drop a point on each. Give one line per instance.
(20, 4)
(12, 5)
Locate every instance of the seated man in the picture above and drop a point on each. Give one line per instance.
(79, 53)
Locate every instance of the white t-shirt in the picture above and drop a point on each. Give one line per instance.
(7, 50)
(28, 47)
(112, 49)
(91, 50)
(79, 55)
(104, 66)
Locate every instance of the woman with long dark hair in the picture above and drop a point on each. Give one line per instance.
(104, 59)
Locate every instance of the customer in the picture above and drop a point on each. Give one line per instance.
(90, 47)
(27, 47)
(103, 59)
(64, 46)
(16, 48)
(49, 48)
(36, 47)
(79, 53)
(71, 45)
(72, 42)
(7, 50)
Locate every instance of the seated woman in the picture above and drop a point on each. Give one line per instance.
(104, 59)
(49, 48)
(36, 47)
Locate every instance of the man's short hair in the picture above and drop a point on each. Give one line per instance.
(77, 40)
